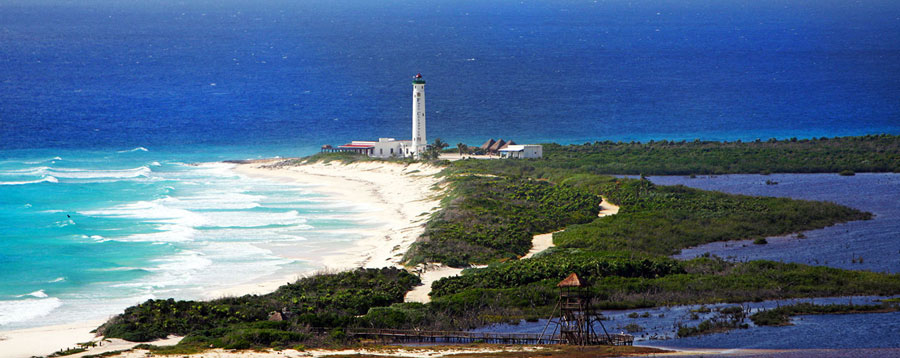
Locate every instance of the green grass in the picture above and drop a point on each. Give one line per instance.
(485, 219)
(781, 316)
(665, 219)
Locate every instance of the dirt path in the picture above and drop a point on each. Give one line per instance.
(432, 272)
(542, 242)
(539, 243)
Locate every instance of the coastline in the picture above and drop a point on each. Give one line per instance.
(399, 197)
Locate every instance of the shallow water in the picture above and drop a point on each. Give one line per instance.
(873, 244)
(659, 325)
(114, 228)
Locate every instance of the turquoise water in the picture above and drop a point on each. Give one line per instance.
(86, 233)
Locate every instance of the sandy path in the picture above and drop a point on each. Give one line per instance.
(607, 208)
(542, 242)
(539, 243)
(432, 273)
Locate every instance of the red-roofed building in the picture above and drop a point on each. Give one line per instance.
(390, 147)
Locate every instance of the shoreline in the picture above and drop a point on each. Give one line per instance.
(399, 196)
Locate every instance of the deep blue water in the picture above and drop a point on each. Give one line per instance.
(291, 75)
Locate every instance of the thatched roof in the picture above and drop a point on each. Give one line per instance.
(488, 144)
(571, 281)
(500, 143)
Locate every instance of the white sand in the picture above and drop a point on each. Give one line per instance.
(430, 273)
(42, 341)
(45, 340)
(115, 344)
(607, 208)
(540, 243)
(401, 197)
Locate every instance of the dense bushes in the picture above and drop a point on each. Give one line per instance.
(489, 218)
(328, 300)
(704, 280)
(871, 153)
(781, 316)
(557, 266)
(666, 219)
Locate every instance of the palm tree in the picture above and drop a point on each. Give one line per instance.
(436, 148)
(463, 149)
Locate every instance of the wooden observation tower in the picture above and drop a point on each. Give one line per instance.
(574, 317)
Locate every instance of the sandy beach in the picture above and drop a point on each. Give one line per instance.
(398, 197)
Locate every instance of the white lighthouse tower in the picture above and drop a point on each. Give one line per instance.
(419, 141)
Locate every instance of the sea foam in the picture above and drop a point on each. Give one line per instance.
(27, 309)
(93, 174)
(47, 179)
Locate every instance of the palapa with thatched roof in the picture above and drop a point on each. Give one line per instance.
(487, 145)
(494, 146)
(571, 281)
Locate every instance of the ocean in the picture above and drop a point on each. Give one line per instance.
(107, 107)
(88, 233)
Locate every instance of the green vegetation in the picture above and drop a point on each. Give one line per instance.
(633, 327)
(488, 218)
(871, 153)
(556, 266)
(781, 316)
(704, 280)
(328, 300)
(67, 352)
(725, 319)
(665, 219)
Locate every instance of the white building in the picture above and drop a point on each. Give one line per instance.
(390, 147)
(522, 151)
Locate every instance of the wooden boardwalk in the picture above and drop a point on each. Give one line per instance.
(417, 336)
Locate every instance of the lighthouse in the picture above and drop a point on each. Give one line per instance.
(419, 141)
